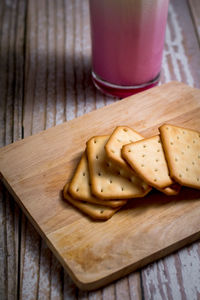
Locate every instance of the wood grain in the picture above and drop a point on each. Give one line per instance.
(73, 23)
(164, 279)
(195, 11)
(180, 61)
(41, 173)
(11, 107)
(181, 55)
(42, 275)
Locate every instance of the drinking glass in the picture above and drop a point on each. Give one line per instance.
(127, 44)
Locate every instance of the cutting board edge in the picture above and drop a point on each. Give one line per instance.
(90, 285)
(80, 282)
(38, 229)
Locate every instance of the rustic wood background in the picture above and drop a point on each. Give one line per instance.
(45, 80)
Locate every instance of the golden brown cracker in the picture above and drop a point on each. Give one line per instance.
(182, 151)
(79, 187)
(121, 136)
(94, 211)
(107, 183)
(147, 158)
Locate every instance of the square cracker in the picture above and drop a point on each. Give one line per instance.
(79, 187)
(94, 211)
(182, 151)
(147, 158)
(106, 183)
(121, 136)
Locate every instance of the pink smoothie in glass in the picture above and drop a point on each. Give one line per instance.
(127, 41)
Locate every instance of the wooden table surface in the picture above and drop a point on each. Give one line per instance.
(45, 80)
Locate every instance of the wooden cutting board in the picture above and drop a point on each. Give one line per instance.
(95, 253)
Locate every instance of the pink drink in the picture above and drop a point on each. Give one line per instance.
(127, 44)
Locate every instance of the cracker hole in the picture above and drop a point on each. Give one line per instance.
(156, 170)
(188, 146)
(101, 190)
(159, 141)
(125, 130)
(155, 179)
(193, 163)
(171, 143)
(113, 151)
(119, 140)
(142, 165)
(183, 132)
(143, 155)
(180, 175)
(99, 174)
(178, 137)
(110, 181)
(167, 128)
(77, 189)
(108, 164)
(182, 152)
(194, 141)
(129, 150)
(158, 150)
(102, 211)
(130, 141)
(83, 173)
(97, 157)
(157, 159)
(144, 146)
(95, 141)
(122, 188)
(186, 169)
(198, 156)
(197, 178)
(176, 159)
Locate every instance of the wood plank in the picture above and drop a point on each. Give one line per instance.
(181, 61)
(164, 279)
(11, 90)
(174, 277)
(74, 32)
(38, 268)
(60, 225)
(195, 11)
(52, 19)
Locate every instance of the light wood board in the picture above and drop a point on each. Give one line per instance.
(96, 253)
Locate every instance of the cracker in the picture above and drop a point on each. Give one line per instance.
(94, 211)
(147, 158)
(182, 150)
(79, 187)
(172, 190)
(121, 136)
(106, 183)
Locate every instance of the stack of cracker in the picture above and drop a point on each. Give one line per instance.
(118, 168)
